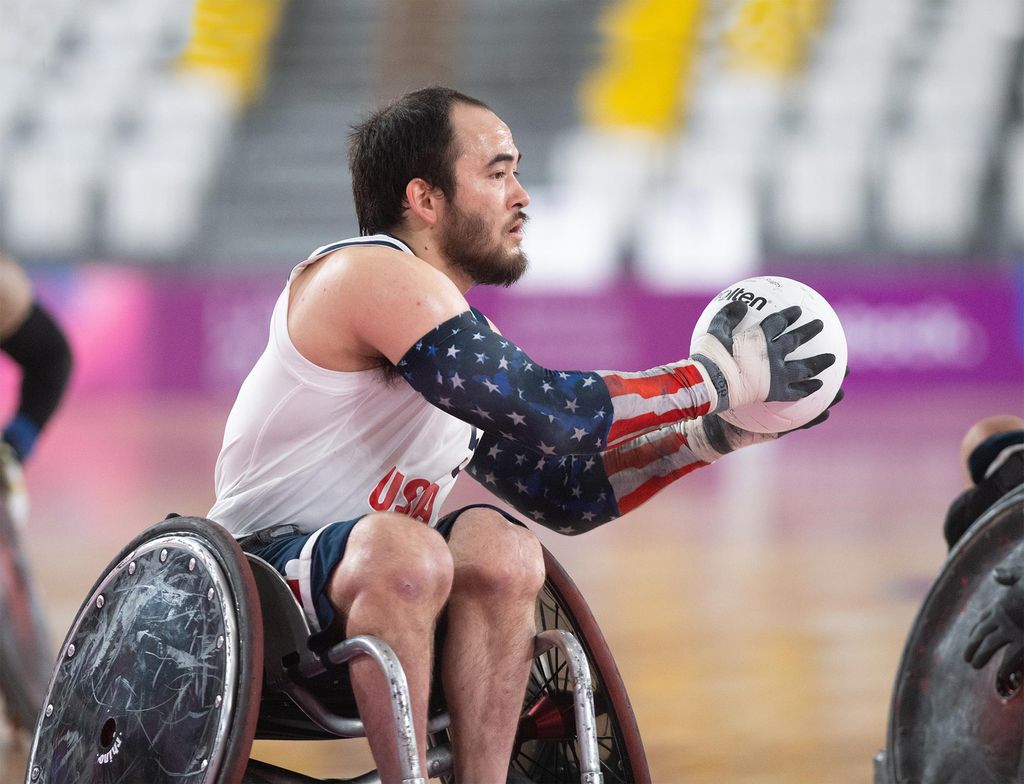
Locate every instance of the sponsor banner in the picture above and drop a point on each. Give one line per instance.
(935, 326)
(138, 330)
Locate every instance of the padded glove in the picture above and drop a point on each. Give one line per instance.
(750, 366)
(710, 437)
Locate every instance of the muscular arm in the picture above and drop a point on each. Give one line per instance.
(466, 368)
(29, 335)
(364, 306)
(360, 309)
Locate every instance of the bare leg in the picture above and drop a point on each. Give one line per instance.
(392, 583)
(499, 569)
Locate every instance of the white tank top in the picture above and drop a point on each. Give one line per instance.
(311, 446)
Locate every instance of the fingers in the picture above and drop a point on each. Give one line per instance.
(813, 423)
(986, 648)
(812, 366)
(980, 649)
(777, 323)
(1011, 672)
(797, 380)
(798, 336)
(725, 322)
(798, 390)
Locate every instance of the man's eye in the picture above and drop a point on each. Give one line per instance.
(498, 175)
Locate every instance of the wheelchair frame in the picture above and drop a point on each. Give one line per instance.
(264, 685)
(24, 639)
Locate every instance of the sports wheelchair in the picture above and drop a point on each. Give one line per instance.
(186, 649)
(25, 649)
(957, 710)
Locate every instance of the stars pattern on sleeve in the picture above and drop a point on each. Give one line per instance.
(477, 375)
(570, 494)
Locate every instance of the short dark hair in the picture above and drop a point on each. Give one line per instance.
(409, 138)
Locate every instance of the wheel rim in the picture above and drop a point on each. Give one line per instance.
(146, 682)
(545, 749)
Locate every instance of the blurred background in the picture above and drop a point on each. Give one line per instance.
(164, 163)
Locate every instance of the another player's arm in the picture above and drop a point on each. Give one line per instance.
(30, 336)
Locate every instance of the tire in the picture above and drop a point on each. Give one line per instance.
(545, 748)
(949, 721)
(159, 678)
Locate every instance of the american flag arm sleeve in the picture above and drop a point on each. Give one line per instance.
(467, 369)
(573, 494)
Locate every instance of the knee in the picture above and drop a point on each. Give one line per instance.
(496, 558)
(395, 561)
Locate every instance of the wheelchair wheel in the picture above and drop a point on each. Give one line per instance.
(949, 721)
(25, 651)
(545, 748)
(159, 678)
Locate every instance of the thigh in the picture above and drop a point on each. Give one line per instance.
(306, 562)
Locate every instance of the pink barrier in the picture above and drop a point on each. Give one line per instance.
(139, 330)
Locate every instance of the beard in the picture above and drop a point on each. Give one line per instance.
(464, 241)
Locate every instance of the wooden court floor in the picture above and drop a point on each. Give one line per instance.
(756, 609)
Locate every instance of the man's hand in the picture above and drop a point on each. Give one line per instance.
(710, 437)
(999, 626)
(750, 366)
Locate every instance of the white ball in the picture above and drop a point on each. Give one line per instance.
(767, 295)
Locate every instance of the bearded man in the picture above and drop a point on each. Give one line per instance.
(380, 384)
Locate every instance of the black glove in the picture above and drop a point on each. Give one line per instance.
(1002, 625)
(750, 366)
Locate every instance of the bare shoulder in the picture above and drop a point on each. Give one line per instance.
(15, 295)
(369, 302)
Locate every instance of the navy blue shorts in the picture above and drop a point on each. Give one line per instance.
(306, 560)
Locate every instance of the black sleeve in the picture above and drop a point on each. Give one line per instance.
(974, 502)
(42, 351)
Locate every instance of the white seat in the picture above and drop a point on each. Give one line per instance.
(583, 222)
(157, 184)
(51, 195)
(820, 194)
(929, 193)
(701, 227)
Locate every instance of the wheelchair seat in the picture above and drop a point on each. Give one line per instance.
(957, 709)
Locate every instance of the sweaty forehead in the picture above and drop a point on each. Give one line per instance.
(481, 135)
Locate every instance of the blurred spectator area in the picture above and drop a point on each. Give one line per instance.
(682, 140)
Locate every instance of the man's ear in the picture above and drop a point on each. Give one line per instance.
(424, 200)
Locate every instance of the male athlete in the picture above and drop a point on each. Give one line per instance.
(29, 336)
(380, 383)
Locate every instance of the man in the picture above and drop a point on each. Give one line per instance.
(29, 336)
(380, 383)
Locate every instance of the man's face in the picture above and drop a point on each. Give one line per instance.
(482, 230)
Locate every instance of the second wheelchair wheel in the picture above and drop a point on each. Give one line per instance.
(159, 678)
(545, 748)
